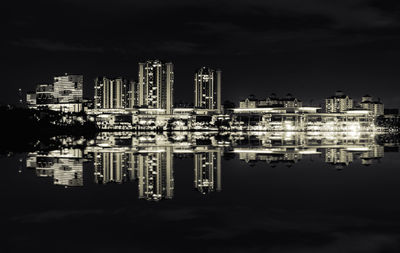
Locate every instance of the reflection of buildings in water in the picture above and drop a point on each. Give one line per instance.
(116, 167)
(374, 153)
(339, 149)
(207, 171)
(64, 166)
(303, 139)
(148, 158)
(338, 157)
(133, 141)
(153, 168)
(273, 157)
(155, 174)
(341, 157)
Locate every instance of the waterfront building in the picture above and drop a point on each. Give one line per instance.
(290, 101)
(338, 103)
(271, 101)
(207, 89)
(156, 85)
(274, 101)
(300, 119)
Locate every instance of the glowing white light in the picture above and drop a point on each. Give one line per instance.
(358, 112)
(309, 152)
(358, 149)
(152, 151)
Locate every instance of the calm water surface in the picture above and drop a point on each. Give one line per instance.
(203, 192)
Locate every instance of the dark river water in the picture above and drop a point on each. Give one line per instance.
(204, 192)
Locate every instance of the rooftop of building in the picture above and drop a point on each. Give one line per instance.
(339, 94)
(371, 102)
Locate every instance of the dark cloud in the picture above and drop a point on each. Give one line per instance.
(192, 25)
(317, 37)
(56, 46)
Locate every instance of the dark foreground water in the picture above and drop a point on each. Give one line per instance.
(272, 192)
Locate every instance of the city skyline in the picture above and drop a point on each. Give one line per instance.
(307, 99)
(148, 104)
(123, 93)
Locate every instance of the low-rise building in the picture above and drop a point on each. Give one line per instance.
(249, 102)
(340, 102)
(271, 101)
(376, 107)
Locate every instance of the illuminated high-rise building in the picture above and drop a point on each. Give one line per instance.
(207, 89)
(207, 171)
(68, 88)
(132, 95)
(100, 92)
(155, 175)
(111, 93)
(118, 91)
(156, 85)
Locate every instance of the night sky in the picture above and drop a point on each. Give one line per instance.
(309, 48)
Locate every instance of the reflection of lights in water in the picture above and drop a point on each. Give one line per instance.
(269, 146)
